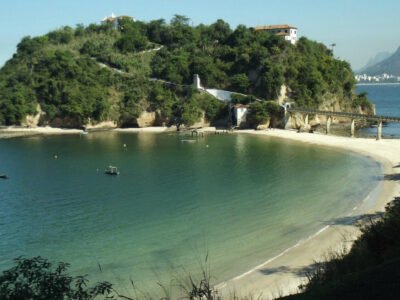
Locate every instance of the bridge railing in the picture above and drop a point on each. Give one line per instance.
(346, 114)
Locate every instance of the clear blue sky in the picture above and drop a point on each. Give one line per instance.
(360, 29)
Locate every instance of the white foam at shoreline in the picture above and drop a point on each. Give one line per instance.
(384, 152)
(373, 194)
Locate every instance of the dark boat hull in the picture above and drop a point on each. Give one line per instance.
(111, 173)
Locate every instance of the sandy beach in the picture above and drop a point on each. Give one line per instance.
(15, 131)
(146, 129)
(281, 275)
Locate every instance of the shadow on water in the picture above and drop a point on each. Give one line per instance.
(359, 220)
(299, 272)
(304, 271)
(354, 220)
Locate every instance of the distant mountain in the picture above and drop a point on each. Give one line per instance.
(390, 65)
(381, 56)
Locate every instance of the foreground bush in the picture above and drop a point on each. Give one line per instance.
(370, 270)
(39, 279)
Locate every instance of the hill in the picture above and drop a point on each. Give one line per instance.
(373, 61)
(71, 77)
(390, 65)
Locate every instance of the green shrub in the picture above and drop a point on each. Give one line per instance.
(39, 279)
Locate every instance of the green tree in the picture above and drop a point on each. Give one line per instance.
(39, 279)
(132, 40)
(240, 83)
(261, 111)
(258, 114)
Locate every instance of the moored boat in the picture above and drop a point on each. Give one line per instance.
(111, 170)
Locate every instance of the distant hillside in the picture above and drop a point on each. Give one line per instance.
(71, 77)
(381, 56)
(391, 65)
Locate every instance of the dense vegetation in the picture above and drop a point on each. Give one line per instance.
(39, 279)
(371, 270)
(250, 62)
(99, 72)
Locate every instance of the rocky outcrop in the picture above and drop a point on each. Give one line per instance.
(202, 122)
(101, 125)
(33, 120)
(283, 95)
(263, 126)
(146, 119)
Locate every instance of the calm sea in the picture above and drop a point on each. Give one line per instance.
(387, 102)
(240, 199)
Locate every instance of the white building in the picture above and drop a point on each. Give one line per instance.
(286, 31)
(240, 112)
(114, 20)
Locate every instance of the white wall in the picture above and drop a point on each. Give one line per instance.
(240, 115)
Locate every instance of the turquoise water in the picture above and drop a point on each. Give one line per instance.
(386, 98)
(242, 199)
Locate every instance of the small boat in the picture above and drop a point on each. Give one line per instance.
(111, 170)
(3, 176)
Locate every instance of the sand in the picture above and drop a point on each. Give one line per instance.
(15, 131)
(146, 129)
(282, 274)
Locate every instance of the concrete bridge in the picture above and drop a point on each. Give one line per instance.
(352, 116)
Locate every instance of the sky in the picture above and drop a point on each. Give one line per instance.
(360, 29)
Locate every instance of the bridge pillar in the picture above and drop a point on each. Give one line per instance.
(379, 130)
(328, 124)
(352, 128)
(306, 119)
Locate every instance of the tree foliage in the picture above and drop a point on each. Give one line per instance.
(39, 279)
(374, 257)
(261, 111)
(100, 71)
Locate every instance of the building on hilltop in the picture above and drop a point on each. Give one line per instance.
(286, 31)
(114, 20)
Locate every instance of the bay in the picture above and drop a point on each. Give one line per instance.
(386, 98)
(236, 198)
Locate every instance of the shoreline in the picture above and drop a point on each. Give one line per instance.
(378, 84)
(295, 260)
(290, 262)
(15, 131)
